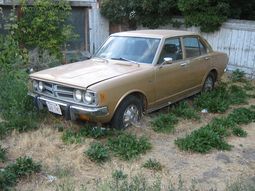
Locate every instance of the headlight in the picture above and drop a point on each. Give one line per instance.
(40, 86)
(90, 98)
(35, 85)
(78, 95)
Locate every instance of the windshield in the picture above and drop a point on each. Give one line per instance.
(135, 49)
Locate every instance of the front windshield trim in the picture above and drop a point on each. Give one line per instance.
(148, 48)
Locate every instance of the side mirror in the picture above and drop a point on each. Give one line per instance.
(168, 60)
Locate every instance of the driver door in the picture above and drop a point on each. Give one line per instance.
(171, 77)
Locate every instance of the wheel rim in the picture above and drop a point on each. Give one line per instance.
(209, 84)
(131, 115)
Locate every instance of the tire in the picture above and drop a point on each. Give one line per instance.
(209, 83)
(129, 112)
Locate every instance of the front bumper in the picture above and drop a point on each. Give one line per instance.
(70, 110)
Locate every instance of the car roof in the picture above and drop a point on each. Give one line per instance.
(155, 33)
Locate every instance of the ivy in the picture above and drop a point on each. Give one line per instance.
(44, 25)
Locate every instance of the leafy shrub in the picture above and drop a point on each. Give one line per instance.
(119, 175)
(70, 137)
(24, 166)
(185, 111)
(128, 146)
(153, 164)
(98, 152)
(164, 123)
(237, 95)
(2, 154)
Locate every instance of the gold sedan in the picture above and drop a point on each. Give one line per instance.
(133, 72)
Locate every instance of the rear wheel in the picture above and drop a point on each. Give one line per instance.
(209, 83)
(129, 112)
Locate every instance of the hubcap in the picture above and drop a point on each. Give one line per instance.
(208, 84)
(131, 115)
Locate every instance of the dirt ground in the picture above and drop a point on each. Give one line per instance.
(68, 163)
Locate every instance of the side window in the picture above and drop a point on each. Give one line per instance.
(171, 49)
(203, 49)
(191, 46)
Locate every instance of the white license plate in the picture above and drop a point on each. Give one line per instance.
(54, 108)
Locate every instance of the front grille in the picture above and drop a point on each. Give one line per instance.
(58, 91)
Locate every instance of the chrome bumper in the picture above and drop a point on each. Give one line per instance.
(70, 110)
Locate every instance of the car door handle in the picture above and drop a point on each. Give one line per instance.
(183, 64)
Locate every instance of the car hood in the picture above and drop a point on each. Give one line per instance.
(86, 73)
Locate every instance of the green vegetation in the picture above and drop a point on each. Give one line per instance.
(44, 25)
(185, 111)
(3, 152)
(164, 123)
(220, 99)
(208, 15)
(23, 167)
(238, 76)
(128, 146)
(98, 152)
(242, 184)
(71, 136)
(153, 164)
(212, 136)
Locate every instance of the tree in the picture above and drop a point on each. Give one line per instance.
(207, 14)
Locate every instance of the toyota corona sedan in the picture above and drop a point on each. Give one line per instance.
(132, 73)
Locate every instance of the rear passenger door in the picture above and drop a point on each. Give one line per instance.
(196, 54)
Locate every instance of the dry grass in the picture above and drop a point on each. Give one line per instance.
(72, 167)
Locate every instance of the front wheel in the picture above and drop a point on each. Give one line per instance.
(129, 112)
(209, 83)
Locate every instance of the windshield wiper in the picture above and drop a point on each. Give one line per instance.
(125, 59)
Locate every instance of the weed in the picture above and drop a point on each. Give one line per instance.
(212, 135)
(242, 116)
(128, 146)
(119, 175)
(71, 136)
(242, 184)
(98, 152)
(153, 164)
(248, 86)
(239, 132)
(238, 76)
(202, 140)
(2, 154)
(215, 101)
(24, 166)
(237, 95)
(185, 111)
(164, 123)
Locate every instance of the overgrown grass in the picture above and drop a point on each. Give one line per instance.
(242, 184)
(185, 111)
(164, 123)
(16, 108)
(23, 167)
(98, 152)
(220, 99)
(71, 136)
(212, 136)
(152, 164)
(128, 146)
(238, 76)
(3, 152)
